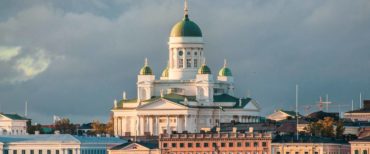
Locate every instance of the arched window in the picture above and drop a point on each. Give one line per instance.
(356, 152)
(364, 152)
(181, 53)
(201, 92)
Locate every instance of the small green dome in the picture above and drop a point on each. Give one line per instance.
(146, 70)
(186, 27)
(204, 69)
(165, 72)
(225, 72)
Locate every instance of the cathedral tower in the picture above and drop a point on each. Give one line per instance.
(185, 49)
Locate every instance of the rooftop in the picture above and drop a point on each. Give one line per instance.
(306, 139)
(58, 138)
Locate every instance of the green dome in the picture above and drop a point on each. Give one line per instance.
(225, 72)
(165, 72)
(186, 27)
(146, 70)
(204, 69)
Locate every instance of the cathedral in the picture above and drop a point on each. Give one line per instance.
(187, 97)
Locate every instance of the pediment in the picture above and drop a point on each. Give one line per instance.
(251, 106)
(162, 104)
(135, 146)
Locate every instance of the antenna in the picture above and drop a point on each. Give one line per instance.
(296, 108)
(25, 109)
(352, 104)
(360, 100)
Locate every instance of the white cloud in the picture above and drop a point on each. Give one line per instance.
(7, 53)
(32, 65)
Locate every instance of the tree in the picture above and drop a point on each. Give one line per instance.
(98, 128)
(325, 128)
(65, 126)
(110, 126)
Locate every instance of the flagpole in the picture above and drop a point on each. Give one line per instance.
(296, 107)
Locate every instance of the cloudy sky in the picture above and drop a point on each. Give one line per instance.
(73, 58)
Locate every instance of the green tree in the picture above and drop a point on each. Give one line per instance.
(339, 130)
(65, 126)
(325, 128)
(98, 128)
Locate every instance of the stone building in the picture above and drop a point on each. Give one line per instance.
(13, 124)
(186, 97)
(362, 114)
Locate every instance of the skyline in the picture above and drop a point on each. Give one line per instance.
(60, 56)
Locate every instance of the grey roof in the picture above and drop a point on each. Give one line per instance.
(306, 139)
(364, 139)
(59, 138)
(100, 140)
(148, 144)
(64, 138)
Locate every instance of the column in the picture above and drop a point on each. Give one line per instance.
(123, 123)
(168, 125)
(186, 122)
(147, 129)
(177, 123)
(142, 125)
(156, 126)
(151, 128)
(137, 126)
(119, 126)
(115, 126)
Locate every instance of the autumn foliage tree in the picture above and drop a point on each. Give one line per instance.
(65, 126)
(327, 127)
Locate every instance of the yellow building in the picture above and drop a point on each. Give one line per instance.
(308, 145)
(360, 146)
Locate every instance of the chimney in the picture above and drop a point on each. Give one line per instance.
(234, 129)
(251, 130)
(37, 132)
(57, 132)
(366, 104)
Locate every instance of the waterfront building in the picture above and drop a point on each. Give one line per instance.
(308, 145)
(360, 146)
(362, 114)
(13, 124)
(220, 143)
(56, 144)
(187, 97)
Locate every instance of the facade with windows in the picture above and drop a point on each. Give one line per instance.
(56, 144)
(215, 143)
(187, 97)
(360, 146)
(308, 145)
(13, 124)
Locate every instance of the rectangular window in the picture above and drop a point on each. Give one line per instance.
(247, 144)
(165, 145)
(205, 145)
(214, 144)
(181, 63)
(296, 152)
(278, 152)
(56, 151)
(32, 152)
(195, 63)
(181, 145)
(305, 152)
(23, 151)
(6, 151)
(188, 63)
(239, 144)
(48, 152)
(287, 153)
(197, 145)
(174, 145)
(14, 151)
(190, 145)
(231, 144)
(318, 152)
(40, 151)
(264, 144)
(223, 144)
(70, 151)
(255, 144)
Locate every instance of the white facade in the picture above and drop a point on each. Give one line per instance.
(186, 98)
(56, 144)
(12, 124)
